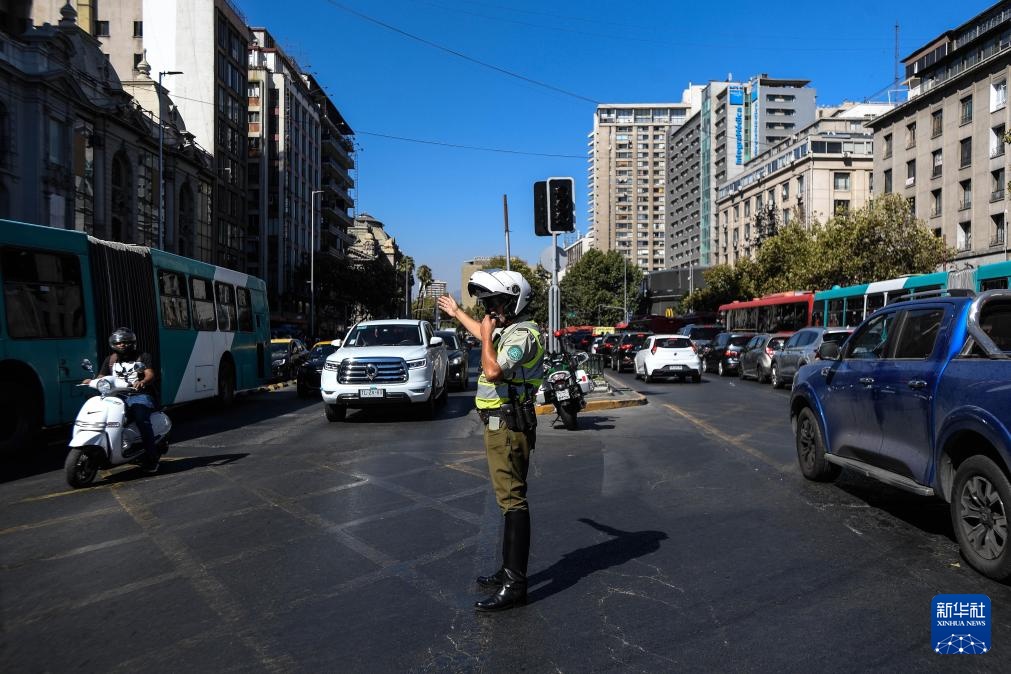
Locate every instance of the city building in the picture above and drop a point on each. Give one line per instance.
(117, 24)
(628, 177)
(943, 148)
(284, 174)
(735, 122)
(372, 241)
(79, 148)
(819, 171)
(575, 250)
(337, 149)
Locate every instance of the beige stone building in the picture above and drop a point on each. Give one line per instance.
(823, 169)
(468, 301)
(628, 178)
(943, 148)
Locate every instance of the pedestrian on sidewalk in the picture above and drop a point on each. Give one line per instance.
(512, 355)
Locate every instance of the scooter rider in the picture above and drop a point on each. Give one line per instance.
(122, 363)
(512, 354)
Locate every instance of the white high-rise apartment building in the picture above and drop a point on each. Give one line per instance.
(628, 178)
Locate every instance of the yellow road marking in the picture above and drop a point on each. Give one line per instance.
(728, 439)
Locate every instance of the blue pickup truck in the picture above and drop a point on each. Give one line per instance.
(919, 397)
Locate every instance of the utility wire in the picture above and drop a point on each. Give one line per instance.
(473, 147)
(458, 54)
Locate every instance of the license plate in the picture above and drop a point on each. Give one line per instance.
(372, 392)
(675, 367)
(562, 395)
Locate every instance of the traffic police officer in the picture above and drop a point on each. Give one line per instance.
(512, 354)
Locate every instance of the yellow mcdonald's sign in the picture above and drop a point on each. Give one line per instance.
(669, 312)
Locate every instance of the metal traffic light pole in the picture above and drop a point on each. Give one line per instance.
(554, 298)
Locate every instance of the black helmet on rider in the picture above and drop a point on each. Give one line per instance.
(123, 340)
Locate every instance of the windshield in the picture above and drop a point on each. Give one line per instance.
(705, 333)
(776, 343)
(322, 351)
(740, 340)
(384, 335)
(674, 343)
(278, 350)
(835, 337)
(449, 339)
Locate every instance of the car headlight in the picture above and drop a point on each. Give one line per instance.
(331, 366)
(415, 364)
(103, 386)
(456, 361)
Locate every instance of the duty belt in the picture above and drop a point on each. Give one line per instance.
(489, 413)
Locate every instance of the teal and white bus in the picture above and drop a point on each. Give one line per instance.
(64, 292)
(847, 307)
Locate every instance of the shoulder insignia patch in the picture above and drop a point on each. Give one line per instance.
(515, 353)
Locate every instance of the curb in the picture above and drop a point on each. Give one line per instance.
(603, 404)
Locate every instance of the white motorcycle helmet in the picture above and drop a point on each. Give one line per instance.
(491, 285)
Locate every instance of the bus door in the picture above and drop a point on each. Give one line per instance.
(45, 324)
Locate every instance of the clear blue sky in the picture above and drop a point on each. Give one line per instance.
(444, 205)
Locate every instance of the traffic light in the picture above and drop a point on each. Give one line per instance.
(541, 208)
(561, 205)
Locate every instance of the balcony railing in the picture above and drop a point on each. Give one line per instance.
(997, 151)
(997, 239)
(965, 204)
(996, 195)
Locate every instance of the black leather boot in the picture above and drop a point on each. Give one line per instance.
(515, 553)
(494, 580)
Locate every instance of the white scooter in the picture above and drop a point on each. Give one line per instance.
(101, 437)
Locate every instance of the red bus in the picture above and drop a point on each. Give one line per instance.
(780, 312)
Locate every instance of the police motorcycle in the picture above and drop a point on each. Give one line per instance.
(103, 435)
(565, 385)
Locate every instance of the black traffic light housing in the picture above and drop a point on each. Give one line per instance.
(561, 205)
(541, 208)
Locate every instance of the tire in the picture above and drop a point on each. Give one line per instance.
(697, 378)
(740, 372)
(648, 376)
(979, 509)
(720, 370)
(774, 377)
(226, 384)
(428, 408)
(761, 376)
(811, 449)
(335, 412)
(81, 467)
(568, 417)
(20, 418)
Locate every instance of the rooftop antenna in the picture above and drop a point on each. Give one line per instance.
(895, 83)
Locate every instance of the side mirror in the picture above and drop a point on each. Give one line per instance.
(829, 351)
(436, 341)
(87, 366)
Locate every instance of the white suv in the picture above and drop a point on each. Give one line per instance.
(382, 363)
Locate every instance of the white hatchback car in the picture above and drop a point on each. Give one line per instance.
(668, 356)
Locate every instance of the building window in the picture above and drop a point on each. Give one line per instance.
(997, 185)
(966, 202)
(888, 181)
(935, 203)
(965, 105)
(997, 141)
(747, 208)
(964, 236)
(137, 58)
(138, 29)
(936, 160)
(911, 134)
(101, 29)
(998, 95)
(841, 181)
(888, 145)
(998, 229)
(936, 123)
(841, 206)
(964, 152)
(784, 193)
(910, 172)
(912, 205)
(800, 188)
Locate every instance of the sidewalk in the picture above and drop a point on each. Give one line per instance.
(608, 394)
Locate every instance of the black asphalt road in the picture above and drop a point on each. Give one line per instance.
(669, 537)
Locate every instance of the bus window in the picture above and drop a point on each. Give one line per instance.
(853, 314)
(875, 302)
(835, 314)
(43, 294)
(175, 309)
(224, 296)
(203, 304)
(896, 295)
(993, 284)
(245, 309)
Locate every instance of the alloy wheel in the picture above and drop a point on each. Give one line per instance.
(983, 517)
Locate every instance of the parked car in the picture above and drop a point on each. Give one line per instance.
(385, 362)
(701, 334)
(457, 368)
(286, 355)
(309, 372)
(668, 356)
(471, 341)
(607, 346)
(801, 349)
(918, 398)
(722, 354)
(579, 340)
(623, 353)
(756, 358)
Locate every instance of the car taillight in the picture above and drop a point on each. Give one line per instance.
(730, 354)
(626, 347)
(653, 350)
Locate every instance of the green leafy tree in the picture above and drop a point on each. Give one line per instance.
(595, 283)
(724, 284)
(424, 281)
(786, 261)
(405, 277)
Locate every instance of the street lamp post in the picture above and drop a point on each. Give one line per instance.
(312, 263)
(161, 160)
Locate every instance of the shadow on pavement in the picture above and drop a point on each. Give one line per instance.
(168, 466)
(575, 565)
(927, 514)
(583, 423)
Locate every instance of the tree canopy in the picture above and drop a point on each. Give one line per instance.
(592, 288)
